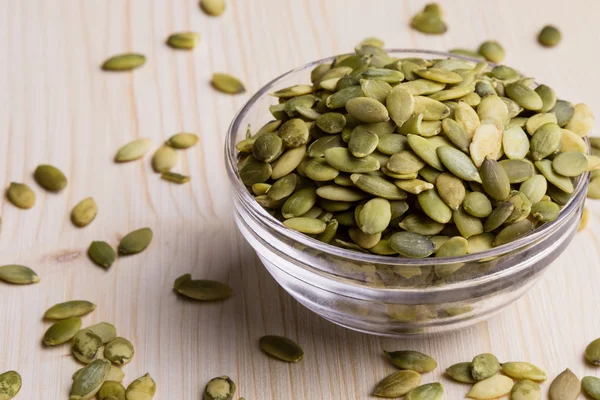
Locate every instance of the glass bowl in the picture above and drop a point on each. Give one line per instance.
(383, 295)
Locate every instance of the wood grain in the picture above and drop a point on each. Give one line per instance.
(57, 107)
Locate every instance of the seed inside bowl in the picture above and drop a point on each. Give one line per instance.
(383, 155)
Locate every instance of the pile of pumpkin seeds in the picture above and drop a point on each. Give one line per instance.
(100, 349)
(416, 157)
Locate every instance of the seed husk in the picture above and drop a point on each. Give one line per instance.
(143, 388)
(50, 178)
(411, 244)
(565, 386)
(490, 388)
(377, 186)
(133, 150)
(102, 254)
(458, 163)
(105, 331)
(397, 384)
(111, 389)
(84, 212)
(62, 331)
(412, 360)
(18, 274)
(310, 226)
(119, 351)
(227, 83)
(561, 182)
(136, 241)
(10, 384)
(204, 290)
(367, 110)
(549, 36)
(89, 380)
(523, 370)
(342, 159)
(430, 391)
(526, 390)
(592, 352)
(86, 346)
(73, 308)
(221, 388)
(461, 372)
(582, 121)
(477, 204)
(124, 62)
(21, 195)
(591, 386)
(175, 177)
(281, 348)
(492, 51)
(183, 40)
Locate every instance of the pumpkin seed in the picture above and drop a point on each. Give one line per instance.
(487, 142)
(421, 224)
(378, 186)
(523, 370)
(86, 346)
(439, 75)
(383, 74)
(565, 386)
(518, 170)
(564, 112)
(426, 151)
(414, 186)
(492, 51)
(364, 240)
(570, 141)
(227, 83)
(373, 41)
(175, 177)
(89, 380)
(10, 384)
(412, 360)
(69, 309)
(481, 242)
(204, 290)
(515, 143)
(495, 180)
(375, 89)
(430, 391)
(585, 217)
(457, 134)
(102, 254)
(561, 182)
(287, 162)
(221, 388)
(591, 386)
(50, 178)
(367, 110)
(461, 372)
(466, 224)
(466, 116)
(494, 109)
(341, 159)
(268, 147)
(18, 274)
(582, 121)
(340, 98)
(329, 122)
(570, 164)
(144, 388)
(305, 225)
(549, 36)
(435, 208)
(429, 22)
(281, 348)
(397, 384)
(62, 331)
(318, 147)
(498, 216)
(419, 87)
(477, 204)
(111, 389)
(592, 352)
(293, 91)
(283, 187)
(84, 212)
(362, 143)
(124, 62)
(432, 110)
(526, 390)
(299, 203)
(513, 232)
(105, 331)
(391, 144)
(133, 150)
(524, 96)
(136, 241)
(183, 40)
(411, 244)
(374, 216)
(451, 190)
(256, 171)
(21, 195)
(490, 388)
(458, 163)
(119, 351)
(400, 105)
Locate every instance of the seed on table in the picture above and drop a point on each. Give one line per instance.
(89, 380)
(111, 389)
(492, 387)
(86, 346)
(119, 351)
(136, 241)
(133, 150)
(183, 40)
(18, 274)
(227, 83)
(484, 366)
(221, 388)
(62, 331)
(526, 390)
(591, 386)
(549, 36)
(592, 352)
(430, 391)
(105, 331)
(492, 51)
(523, 370)
(461, 372)
(281, 348)
(21, 195)
(566, 386)
(397, 384)
(102, 254)
(182, 140)
(175, 177)
(164, 159)
(84, 212)
(412, 360)
(124, 62)
(50, 178)
(73, 308)
(204, 290)
(10, 384)
(143, 388)
(213, 7)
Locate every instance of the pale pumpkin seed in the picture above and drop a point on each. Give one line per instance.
(111, 389)
(373, 41)
(467, 117)
(375, 89)
(124, 62)
(518, 170)
(10, 384)
(367, 110)
(281, 348)
(591, 386)
(426, 151)
(62, 331)
(487, 142)
(86, 346)
(585, 217)
(364, 240)
(21, 195)
(118, 351)
(414, 186)
(570, 164)
(419, 87)
(592, 352)
(515, 143)
(400, 105)
(461, 372)
(18, 274)
(102, 254)
(50, 178)
(526, 390)
(133, 150)
(429, 22)
(204, 290)
(221, 388)
(432, 110)
(490, 388)
(467, 224)
(582, 121)
(457, 134)
(136, 241)
(183, 40)
(549, 36)
(412, 360)
(411, 244)
(570, 141)
(374, 216)
(227, 83)
(143, 388)
(439, 75)
(105, 331)
(84, 212)
(566, 386)
(523, 370)
(397, 384)
(73, 308)
(288, 162)
(89, 380)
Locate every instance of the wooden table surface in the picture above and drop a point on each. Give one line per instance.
(58, 107)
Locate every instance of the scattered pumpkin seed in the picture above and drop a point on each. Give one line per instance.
(84, 212)
(591, 386)
(133, 150)
(183, 40)
(136, 241)
(526, 390)
(484, 366)
(10, 384)
(50, 178)
(397, 384)
(21, 195)
(143, 388)
(492, 387)
(412, 360)
(566, 386)
(281, 348)
(118, 351)
(164, 159)
(124, 62)
(204, 290)
(592, 352)
(430, 391)
(523, 370)
(89, 380)
(549, 36)
(182, 140)
(461, 372)
(18, 274)
(62, 331)
(86, 346)
(111, 389)
(227, 83)
(102, 254)
(221, 388)
(175, 177)
(69, 309)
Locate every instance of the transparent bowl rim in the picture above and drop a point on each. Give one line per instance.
(268, 221)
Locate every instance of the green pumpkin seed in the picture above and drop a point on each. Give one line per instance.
(515, 143)
(18, 274)
(457, 92)
(561, 182)
(477, 204)
(10, 384)
(435, 208)
(526, 390)
(484, 88)
(175, 177)
(592, 352)
(414, 186)
(461, 372)
(340, 98)
(397, 384)
(498, 216)
(329, 122)
(299, 203)
(375, 216)
(144, 388)
(183, 40)
(330, 231)
(318, 147)
(400, 105)
(493, 108)
(457, 134)
(293, 91)
(451, 190)
(495, 180)
(518, 170)
(287, 162)
(431, 109)
(524, 96)
(458, 163)
(364, 240)
(523, 370)
(565, 386)
(124, 62)
(426, 151)
(413, 125)
(133, 150)
(430, 23)
(466, 224)
(377, 186)
(105, 331)
(481, 242)
(383, 74)
(119, 351)
(316, 169)
(311, 226)
(590, 385)
(86, 346)
(582, 121)
(281, 348)
(227, 83)
(21, 195)
(341, 159)
(293, 133)
(430, 391)
(362, 143)
(537, 120)
(453, 247)
(283, 187)
(136, 241)
(570, 164)
(372, 41)
(255, 171)
(84, 212)
(492, 51)
(411, 244)
(439, 75)
(512, 107)
(405, 162)
(412, 360)
(522, 207)
(73, 308)
(111, 389)
(204, 290)
(534, 188)
(549, 36)
(419, 87)
(564, 112)
(221, 388)
(392, 144)
(102, 254)
(89, 380)
(466, 116)
(513, 232)
(62, 331)
(50, 178)
(548, 97)
(375, 89)
(268, 147)
(269, 127)
(367, 110)
(490, 388)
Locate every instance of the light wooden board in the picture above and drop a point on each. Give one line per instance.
(57, 107)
